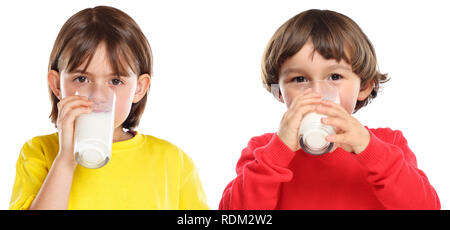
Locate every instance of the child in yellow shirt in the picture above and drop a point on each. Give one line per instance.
(103, 46)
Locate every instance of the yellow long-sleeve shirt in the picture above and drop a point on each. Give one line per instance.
(144, 173)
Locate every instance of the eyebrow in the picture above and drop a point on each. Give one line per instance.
(111, 74)
(338, 66)
(292, 70)
(300, 70)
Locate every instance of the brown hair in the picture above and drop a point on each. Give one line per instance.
(126, 46)
(334, 36)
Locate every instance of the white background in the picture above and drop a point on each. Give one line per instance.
(206, 94)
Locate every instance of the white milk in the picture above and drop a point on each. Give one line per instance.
(312, 134)
(93, 139)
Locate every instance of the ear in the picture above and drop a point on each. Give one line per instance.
(276, 92)
(365, 91)
(54, 83)
(142, 86)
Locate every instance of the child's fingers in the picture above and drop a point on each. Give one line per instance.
(294, 109)
(71, 101)
(333, 105)
(331, 112)
(71, 104)
(336, 122)
(311, 102)
(330, 108)
(337, 138)
(69, 118)
(297, 115)
(68, 99)
(298, 99)
(308, 90)
(301, 107)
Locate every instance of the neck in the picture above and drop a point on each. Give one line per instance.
(121, 135)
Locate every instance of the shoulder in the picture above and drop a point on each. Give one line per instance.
(165, 147)
(43, 146)
(387, 134)
(160, 143)
(42, 142)
(47, 140)
(171, 153)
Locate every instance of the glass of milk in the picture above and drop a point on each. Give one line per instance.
(94, 131)
(312, 132)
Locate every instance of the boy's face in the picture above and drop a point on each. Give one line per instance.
(100, 75)
(308, 65)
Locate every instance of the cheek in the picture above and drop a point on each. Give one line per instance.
(289, 96)
(349, 96)
(66, 86)
(123, 106)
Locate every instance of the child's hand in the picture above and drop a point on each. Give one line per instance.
(290, 123)
(69, 109)
(351, 135)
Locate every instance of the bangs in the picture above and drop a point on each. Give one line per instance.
(126, 46)
(82, 47)
(329, 41)
(327, 34)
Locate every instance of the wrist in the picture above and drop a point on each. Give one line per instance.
(65, 161)
(288, 142)
(366, 141)
(276, 152)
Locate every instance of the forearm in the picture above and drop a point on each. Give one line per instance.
(396, 180)
(258, 181)
(55, 191)
(251, 191)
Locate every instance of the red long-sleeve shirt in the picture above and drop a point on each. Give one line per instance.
(384, 176)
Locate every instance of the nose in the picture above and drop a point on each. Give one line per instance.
(316, 86)
(100, 93)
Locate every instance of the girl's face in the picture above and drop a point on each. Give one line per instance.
(308, 66)
(99, 76)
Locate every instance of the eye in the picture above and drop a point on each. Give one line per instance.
(299, 79)
(335, 77)
(116, 81)
(80, 79)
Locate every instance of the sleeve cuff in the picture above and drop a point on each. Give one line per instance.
(277, 152)
(371, 155)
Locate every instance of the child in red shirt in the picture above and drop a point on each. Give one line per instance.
(366, 169)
